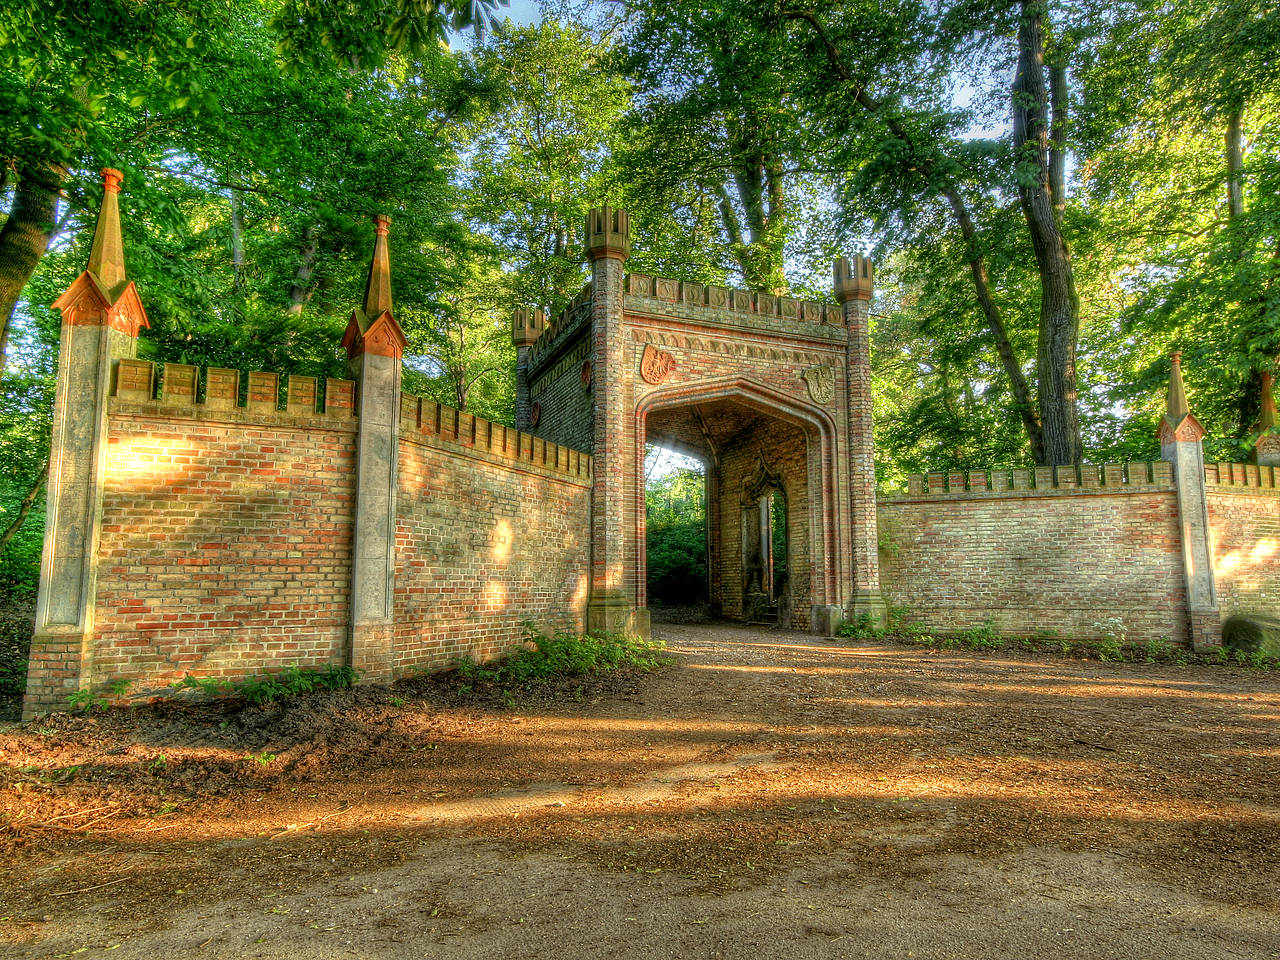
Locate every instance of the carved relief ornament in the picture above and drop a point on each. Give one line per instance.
(821, 381)
(655, 365)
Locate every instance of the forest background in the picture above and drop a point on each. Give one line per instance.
(1056, 193)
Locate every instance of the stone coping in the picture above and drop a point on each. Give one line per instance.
(242, 416)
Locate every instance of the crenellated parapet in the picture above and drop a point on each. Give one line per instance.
(710, 302)
(1038, 481)
(178, 386)
(1261, 479)
(728, 300)
(560, 329)
(421, 418)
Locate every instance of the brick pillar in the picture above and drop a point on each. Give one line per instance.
(526, 326)
(612, 605)
(853, 286)
(101, 317)
(1180, 434)
(375, 345)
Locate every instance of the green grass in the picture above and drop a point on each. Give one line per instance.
(261, 689)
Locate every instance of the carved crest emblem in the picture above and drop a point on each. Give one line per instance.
(535, 415)
(821, 381)
(655, 365)
(586, 374)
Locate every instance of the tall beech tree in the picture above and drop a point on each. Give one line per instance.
(1183, 157)
(911, 145)
(1040, 147)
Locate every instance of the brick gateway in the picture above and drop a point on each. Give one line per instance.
(198, 524)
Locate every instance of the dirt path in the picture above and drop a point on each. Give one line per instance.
(771, 795)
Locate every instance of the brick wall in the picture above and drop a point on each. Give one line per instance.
(557, 384)
(1063, 554)
(1244, 517)
(226, 533)
(226, 543)
(492, 530)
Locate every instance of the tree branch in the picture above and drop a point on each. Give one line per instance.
(24, 507)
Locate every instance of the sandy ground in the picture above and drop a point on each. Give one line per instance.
(769, 795)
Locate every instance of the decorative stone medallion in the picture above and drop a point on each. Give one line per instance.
(655, 365)
(821, 381)
(586, 374)
(535, 415)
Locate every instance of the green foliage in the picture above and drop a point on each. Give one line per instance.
(862, 628)
(1111, 645)
(268, 688)
(365, 33)
(13, 676)
(676, 540)
(540, 152)
(20, 561)
(1164, 84)
(87, 700)
(564, 655)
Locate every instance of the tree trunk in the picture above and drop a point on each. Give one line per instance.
(300, 289)
(237, 239)
(1058, 96)
(24, 507)
(1018, 386)
(24, 239)
(1059, 308)
(1249, 404)
(754, 239)
(1235, 161)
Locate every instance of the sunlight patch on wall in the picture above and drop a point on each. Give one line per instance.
(502, 541)
(145, 455)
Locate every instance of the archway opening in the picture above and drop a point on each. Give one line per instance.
(764, 493)
(675, 531)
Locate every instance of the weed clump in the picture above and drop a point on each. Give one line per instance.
(566, 655)
(1112, 644)
(564, 665)
(270, 687)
